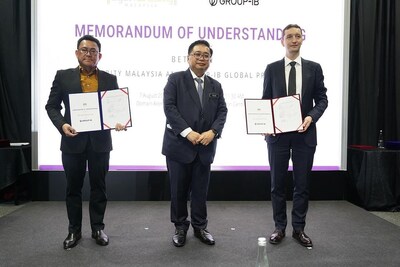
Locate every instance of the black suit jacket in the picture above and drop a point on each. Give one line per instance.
(314, 100)
(183, 109)
(68, 82)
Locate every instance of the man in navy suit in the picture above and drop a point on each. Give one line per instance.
(299, 146)
(195, 111)
(85, 147)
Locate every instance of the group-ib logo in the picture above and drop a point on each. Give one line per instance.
(234, 2)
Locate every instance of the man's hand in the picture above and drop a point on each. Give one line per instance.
(206, 138)
(120, 127)
(267, 134)
(68, 130)
(306, 123)
(193, 137)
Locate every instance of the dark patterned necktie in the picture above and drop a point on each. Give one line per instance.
(292, 79)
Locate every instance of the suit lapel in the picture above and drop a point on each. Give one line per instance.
(282, 78)
(305, 74)
(75, 85)
(191, 87)
(101, 85)
(208, 88)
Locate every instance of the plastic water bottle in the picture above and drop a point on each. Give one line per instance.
(380, 140)
(262, 259)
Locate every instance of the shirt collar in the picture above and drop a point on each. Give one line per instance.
(195, 76)
(297, 60)
(90, 74)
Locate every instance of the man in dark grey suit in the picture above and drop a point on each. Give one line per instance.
(195, 111)
(299, 146)
(78, 149)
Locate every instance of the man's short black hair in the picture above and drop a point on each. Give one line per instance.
(291, 26)
(199, 42)
(89, 38)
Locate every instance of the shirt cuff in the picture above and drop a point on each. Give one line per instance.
(185, 132)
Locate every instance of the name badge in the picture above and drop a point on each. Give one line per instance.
(214, 95)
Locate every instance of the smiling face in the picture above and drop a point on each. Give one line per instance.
(199, 59)
(292, 41)
(88, 55)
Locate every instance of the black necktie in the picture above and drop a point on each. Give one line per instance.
(292, 79)
(200, 89)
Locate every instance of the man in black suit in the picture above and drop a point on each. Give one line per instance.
(78, 149)
(300, 146)
(195, 111)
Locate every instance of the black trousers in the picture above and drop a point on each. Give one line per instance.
(188, 182)
(290, 145)
(75, 170)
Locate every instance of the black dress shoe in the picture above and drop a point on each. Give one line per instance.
(302, 238)
(277, 236)
(72, 240)
(179, 238)
(204, 236)
(100, 237)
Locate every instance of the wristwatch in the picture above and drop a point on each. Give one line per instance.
(215, 132)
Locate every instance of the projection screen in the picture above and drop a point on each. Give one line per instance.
(143, 41)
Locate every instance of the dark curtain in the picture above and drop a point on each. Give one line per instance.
(374, 83)
(15, 70)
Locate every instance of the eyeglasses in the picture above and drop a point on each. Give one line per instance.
(85, 51)
(198, 55)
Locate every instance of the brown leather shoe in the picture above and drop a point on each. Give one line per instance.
(277, 236)
(302, 238)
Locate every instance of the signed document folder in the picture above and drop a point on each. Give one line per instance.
(273, 116)
(100, 110)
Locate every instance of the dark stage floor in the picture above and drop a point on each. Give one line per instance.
(140, 235)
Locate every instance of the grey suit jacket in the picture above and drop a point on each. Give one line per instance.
(68, 82)
(182, 109)
(314, 100)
